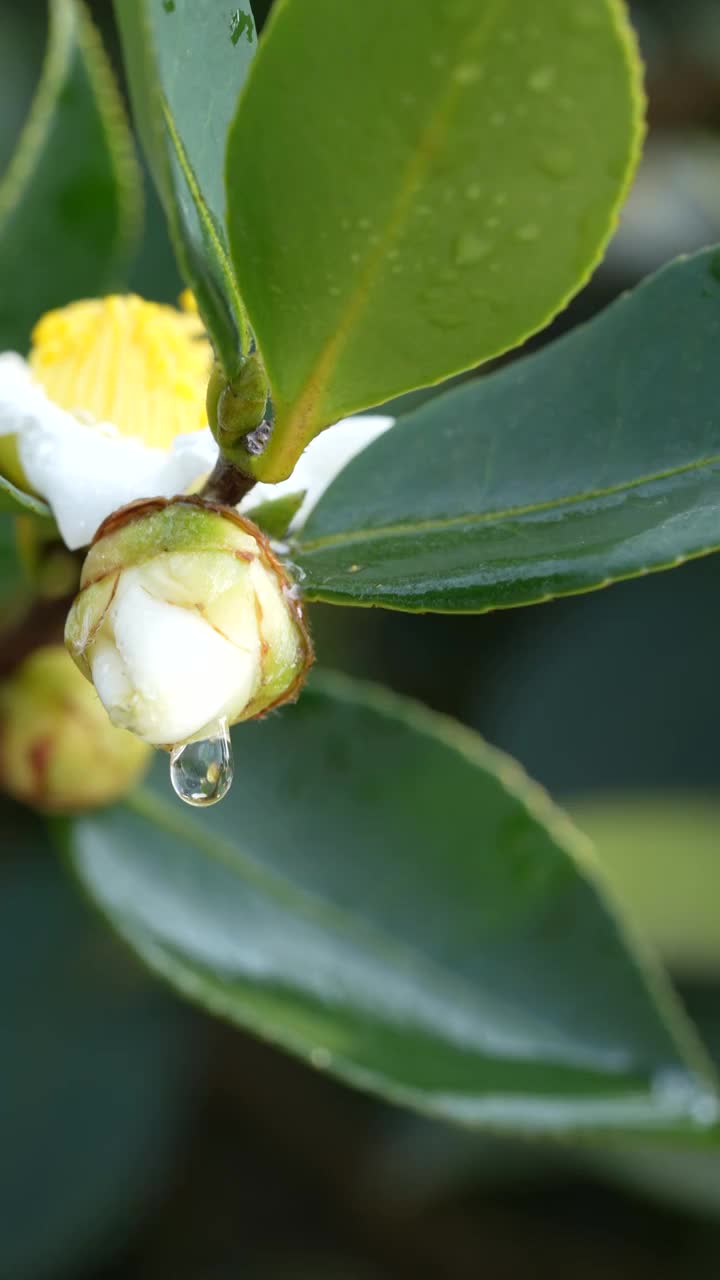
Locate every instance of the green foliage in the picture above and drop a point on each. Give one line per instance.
(388, 897)
(11, 575)
(592, 461)
(275, 517)
(94, 1069)
(416, 187)
(405, 191)
(187, 60)
(15, 501)
(69, 202)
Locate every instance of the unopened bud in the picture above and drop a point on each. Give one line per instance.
(236, 410)
(58, 750)
(185, 619)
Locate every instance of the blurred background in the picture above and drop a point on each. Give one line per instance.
(139, 1138)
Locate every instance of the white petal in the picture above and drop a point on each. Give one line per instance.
(325, 457)
(171, 673)
(87, 472)
(22, 401)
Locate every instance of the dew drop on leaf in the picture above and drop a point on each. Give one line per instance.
(471, 248)
(541, 79)
(201, 772)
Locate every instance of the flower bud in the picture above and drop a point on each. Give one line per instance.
(236, 409)
(184, 619)
(58, 751)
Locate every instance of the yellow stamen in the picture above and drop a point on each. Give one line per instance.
(139, 365)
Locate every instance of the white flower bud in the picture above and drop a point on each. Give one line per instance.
(185, 618)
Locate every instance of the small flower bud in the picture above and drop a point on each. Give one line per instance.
(184, 619)
(58, 751)
(236, 409)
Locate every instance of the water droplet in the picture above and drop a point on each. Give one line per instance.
(498, 119)
(471, 248)
(557, 161)
(201, 772)
(529, 232)
(438, 59)
(467, 73)
(408, 99)
(334, 291)
(500, 198)
(492, 222)
(447, 320)
(355, 258)
(364, 224)
(542, 79)
(474, 191)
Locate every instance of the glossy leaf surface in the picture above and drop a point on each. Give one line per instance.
(596, 459)
(390, 898)
(187, 61)
(414, 187)
(69, 202)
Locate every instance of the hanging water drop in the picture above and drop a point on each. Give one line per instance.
(202, 772)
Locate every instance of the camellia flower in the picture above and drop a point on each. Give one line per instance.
(186, 622)
(110, 407)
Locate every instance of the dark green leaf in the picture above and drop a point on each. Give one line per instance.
(94, 1070)
(11, 574)
(595, 460)
(69, 203)
(187, 61)
(390, 898)
(415, 187)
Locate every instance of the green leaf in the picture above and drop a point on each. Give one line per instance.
(415, 187)
(660, 854)
(12, 578)
(18, 502)
(274, 517)
(70, 200)
(595, 460)
(187, 61)
(387, 896)
(95, 1070)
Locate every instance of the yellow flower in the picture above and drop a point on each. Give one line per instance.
(108, 407)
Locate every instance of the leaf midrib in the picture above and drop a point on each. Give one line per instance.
(300, 416)
(317, 909)
(406, 528)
